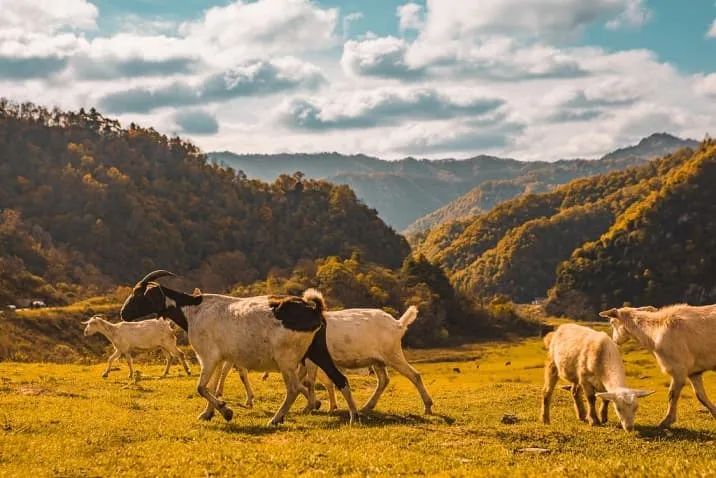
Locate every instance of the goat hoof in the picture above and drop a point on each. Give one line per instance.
(666, 423)
(105, 375)
(275, 422)
(249, 404)
(206, 415)
(227, 413)
(429, 410)
(317, 405)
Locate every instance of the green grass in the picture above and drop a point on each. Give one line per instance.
(64, 420)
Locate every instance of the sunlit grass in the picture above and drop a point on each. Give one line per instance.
(65, 420)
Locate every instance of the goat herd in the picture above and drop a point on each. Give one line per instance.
(297, 337)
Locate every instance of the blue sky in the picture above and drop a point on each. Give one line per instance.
(537, 79)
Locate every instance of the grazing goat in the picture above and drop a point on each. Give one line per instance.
(125, 336)
(590, 361)
(360, 338)
(265, 333)
(681, 337)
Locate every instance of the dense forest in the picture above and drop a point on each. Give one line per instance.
(444, 313)
(86, 203)
(407, 193)
(641, 235)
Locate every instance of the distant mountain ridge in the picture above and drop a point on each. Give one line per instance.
(490, 193)
(406, 193)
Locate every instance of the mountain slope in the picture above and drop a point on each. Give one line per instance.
(516, 249)
(100, 201)
(661, 250)
(485, 196)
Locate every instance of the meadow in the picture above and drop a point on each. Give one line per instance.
(64, 420)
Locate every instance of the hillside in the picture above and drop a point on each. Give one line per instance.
(86, 204)
(519, 249)
(490, 193)
(661, 250)
(405, 191)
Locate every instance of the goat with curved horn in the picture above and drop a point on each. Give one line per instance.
(158, 274)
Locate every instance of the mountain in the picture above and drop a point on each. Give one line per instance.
(490, 193)
(641, 235)
(86, 204)
(406, 190)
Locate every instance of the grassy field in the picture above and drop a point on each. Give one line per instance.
(64, 420)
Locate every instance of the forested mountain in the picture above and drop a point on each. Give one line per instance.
(490, 193)
(85, 203)
(641, 235)
(406, 190)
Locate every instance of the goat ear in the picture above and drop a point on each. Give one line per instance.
(85, 322)
(648, 308)
(607, 395)
(609, 314)
(196, 292)
(642, 393)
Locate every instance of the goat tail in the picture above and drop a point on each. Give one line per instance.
(547, 339)
(408, 317)
(315, 297)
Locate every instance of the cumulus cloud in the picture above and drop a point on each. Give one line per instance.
(381, 107)
(47, 16)
(544, 18)
(380, 57)
(712, 31)
(706, 85)
(635, 15)
(257, 77)
(410, 16)
(242, 29)
(348, 19)
(196, 122)
(496, 58)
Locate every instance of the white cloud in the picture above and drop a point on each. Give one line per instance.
(251, 78)
(47, 16)
(410, 16)
(635, 15)
(348, 19)
(388, 105)
(712, 31)
(247, 29)
(548, 18)
(706, 85)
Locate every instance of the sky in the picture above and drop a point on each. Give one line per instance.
(528, 79)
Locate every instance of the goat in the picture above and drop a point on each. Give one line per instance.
(360, 338)
(145, 335)
(590, 361)
(682, 339)
(265, 333)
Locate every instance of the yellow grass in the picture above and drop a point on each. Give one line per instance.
(64, 420)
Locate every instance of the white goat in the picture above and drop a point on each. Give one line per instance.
(146, 335)
(257, 333)
(359, 338)
(590, 361)
(681, 337)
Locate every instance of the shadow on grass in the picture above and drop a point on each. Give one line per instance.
(654, 433)
(334, 420)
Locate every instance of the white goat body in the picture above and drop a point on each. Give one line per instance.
(360, 338)
(129, 336)
(682, 339)
(591, 363)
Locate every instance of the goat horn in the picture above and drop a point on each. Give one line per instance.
(155, 275)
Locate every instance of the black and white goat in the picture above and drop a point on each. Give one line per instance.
(264, 333)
